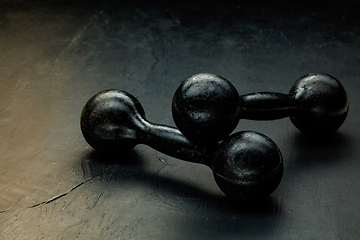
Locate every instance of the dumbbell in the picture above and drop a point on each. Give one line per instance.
(206, 108)
(246, 165)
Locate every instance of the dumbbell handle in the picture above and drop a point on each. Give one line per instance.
(171, 141)
(268, 106)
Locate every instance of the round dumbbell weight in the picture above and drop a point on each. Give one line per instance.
(206, 108)
(246, 165)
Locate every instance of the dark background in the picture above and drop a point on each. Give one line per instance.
(55, 55)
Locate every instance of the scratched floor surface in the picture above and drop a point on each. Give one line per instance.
(54, 55)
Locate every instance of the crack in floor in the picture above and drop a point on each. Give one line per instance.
(59, 195)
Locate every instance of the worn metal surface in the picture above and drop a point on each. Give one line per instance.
(206, 108)
(55, 55)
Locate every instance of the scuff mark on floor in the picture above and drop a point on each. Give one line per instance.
(160, 159)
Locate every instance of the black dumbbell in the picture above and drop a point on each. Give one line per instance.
(206, 108)
(246, 165)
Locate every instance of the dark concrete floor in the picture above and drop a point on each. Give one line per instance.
(55, 55)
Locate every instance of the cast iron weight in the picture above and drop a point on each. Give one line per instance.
(246, 165)
(206, 108)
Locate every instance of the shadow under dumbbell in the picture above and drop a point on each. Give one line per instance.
(326, 150)
(197, 208)
(130, 167)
